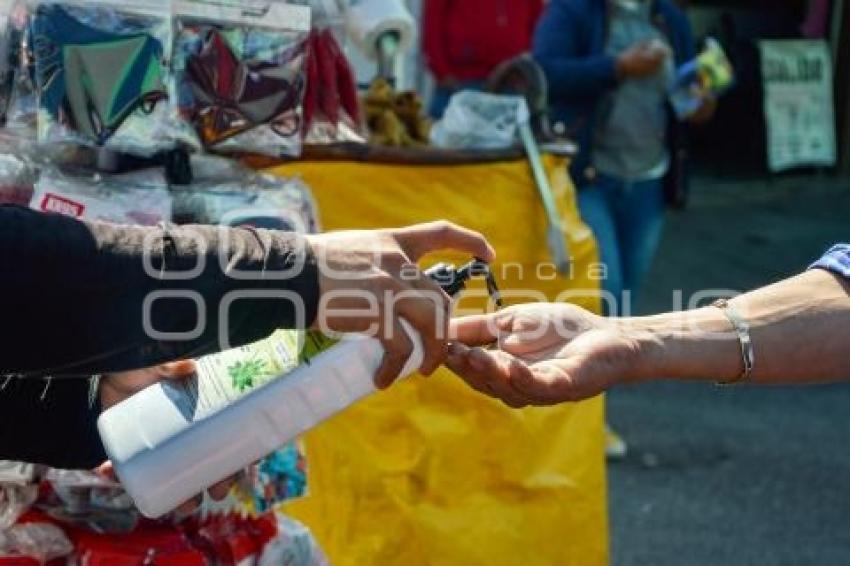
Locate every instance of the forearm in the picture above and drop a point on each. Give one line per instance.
(799, 328)
(78, 296)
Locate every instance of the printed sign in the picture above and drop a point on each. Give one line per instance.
(798, 103)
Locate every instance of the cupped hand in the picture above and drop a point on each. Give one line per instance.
(369, 281)
(116, 387)
(642, 60)
(542, 354)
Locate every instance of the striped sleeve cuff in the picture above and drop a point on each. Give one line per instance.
(836, 260)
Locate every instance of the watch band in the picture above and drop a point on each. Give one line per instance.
(742, 329)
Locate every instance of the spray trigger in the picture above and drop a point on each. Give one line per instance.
(453, 280)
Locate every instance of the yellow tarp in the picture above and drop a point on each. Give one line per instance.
(431, 472)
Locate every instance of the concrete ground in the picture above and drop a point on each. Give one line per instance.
(736, 476)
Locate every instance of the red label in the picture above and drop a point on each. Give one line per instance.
(62, 205)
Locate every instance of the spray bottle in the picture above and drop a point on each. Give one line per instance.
(173, 440)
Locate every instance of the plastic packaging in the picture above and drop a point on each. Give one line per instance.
(15, 499)
(17, 177)
(99, 69)
(294, 545)
(42, 541)
(154, 544)
(225, 193)
(279, 477)
(478, 120)
(20, 108)
(19, 473)
(240, 75)
(369, 20)
(331, 105)
(81, 490)
(709, 75)
(140, 197)
(230, 538)
(7, 68)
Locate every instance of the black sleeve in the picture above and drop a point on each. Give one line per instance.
(49, 421)
(75, 298)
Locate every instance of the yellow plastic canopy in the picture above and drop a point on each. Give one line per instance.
(431, 472)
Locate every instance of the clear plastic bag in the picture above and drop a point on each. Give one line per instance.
(18, 473)
(478, 120)
(332, 110)
(240, 75)
(95, 72)
(17, 176)
(225, 193)
(140, 197)
(81, 491)
(294, 545)
(6, 68)
(15, 499)
(20, 109)
(42, 541)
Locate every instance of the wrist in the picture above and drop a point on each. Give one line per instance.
(700, 344)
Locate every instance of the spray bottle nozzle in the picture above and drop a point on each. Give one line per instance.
(453, 280)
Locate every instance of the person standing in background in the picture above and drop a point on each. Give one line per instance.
(464, 40)
(609, 64)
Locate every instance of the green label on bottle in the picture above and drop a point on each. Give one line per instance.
(225, 377)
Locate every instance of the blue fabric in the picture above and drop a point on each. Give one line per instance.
(569, 43)
(836, 260)
(441, 96)
(54, 31)
(627, 220)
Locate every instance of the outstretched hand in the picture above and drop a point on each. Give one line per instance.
(542, 354)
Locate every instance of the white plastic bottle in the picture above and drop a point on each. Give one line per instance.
(173, 440)
(167, 444)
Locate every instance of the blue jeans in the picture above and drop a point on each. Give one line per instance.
(627, 219)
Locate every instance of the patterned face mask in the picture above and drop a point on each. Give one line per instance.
(232, 96)
(92, 80)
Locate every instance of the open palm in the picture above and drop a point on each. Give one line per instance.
(544, 354)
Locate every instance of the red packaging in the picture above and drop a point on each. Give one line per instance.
(329, 101)
(150, 544)
(311, 94)
(346, 83)
(231, 539)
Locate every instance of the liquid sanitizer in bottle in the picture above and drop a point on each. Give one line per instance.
(174, 439)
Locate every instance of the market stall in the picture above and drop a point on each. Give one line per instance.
(187, 112)
(431, 472)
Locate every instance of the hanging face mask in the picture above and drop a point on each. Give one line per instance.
(233, 96)
(240, 76)
(91, 80)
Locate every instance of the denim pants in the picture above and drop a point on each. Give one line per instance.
(627, 219)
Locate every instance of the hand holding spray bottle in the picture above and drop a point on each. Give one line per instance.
(173, 440)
